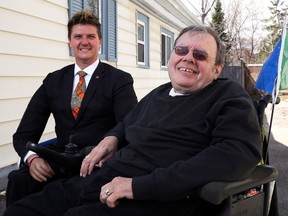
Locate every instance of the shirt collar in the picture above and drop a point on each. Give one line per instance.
(89, 70)
(172, 93)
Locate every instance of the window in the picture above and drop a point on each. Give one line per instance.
(107, 12)
(142, 40)
(167, 39)
(93, 6)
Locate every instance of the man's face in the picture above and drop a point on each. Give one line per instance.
(187, 74)
(85, 44)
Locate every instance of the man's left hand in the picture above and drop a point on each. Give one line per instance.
(118, 188)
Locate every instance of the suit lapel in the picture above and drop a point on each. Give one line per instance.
(68, 80)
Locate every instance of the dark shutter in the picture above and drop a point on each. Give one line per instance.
(112, 30)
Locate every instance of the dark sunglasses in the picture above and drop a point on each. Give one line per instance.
(197, 54)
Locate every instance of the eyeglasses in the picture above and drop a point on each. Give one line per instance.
(197, 54)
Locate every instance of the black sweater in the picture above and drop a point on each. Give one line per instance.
(179, 143)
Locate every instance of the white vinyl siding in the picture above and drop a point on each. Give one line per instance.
(34, 42)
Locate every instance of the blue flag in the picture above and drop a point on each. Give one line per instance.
(269, 72)
(274, 73)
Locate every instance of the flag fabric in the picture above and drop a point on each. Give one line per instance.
(274, 73)
(283, 60)
(268, 73)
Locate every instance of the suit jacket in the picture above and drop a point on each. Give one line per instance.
(108, 98)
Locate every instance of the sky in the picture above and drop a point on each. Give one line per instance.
(258, 11)
(251, 21)
(259, 7)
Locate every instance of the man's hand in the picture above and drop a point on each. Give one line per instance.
(118, 188)
(104, 150)
(40, 170)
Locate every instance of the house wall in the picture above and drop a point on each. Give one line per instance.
(145, 79)
(33, 37)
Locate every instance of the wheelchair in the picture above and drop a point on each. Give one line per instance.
(254, 196)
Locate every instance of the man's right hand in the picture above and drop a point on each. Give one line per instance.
(99, 154)
(39, 169)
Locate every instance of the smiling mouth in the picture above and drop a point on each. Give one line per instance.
(85, 49)
(188, 70)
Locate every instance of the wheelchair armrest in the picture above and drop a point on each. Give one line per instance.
(68, 159)
(216, 192)
(48, 142)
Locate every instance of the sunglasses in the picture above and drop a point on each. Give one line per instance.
(197, 54)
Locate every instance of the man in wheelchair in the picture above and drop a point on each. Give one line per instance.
(182, 135)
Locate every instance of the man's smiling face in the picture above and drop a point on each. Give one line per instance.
(85, 44)
(188, 74)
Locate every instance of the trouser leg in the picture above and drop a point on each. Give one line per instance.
(57, 197)
(90, 204)
(135, 208)
(53, 200)
(80, 196)
(21, 184)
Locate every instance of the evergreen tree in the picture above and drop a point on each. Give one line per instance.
(274, 27)
(218, 24)
(277, 17)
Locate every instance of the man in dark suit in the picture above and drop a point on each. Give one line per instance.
(109, 96)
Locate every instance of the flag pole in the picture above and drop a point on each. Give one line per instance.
(269, 131)
(274, 101)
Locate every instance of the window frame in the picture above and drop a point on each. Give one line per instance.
(143, 20)
(141, 42)
(166, 34)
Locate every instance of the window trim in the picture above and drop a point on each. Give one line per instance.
(139, 22)
(141, 18)
(169, 34)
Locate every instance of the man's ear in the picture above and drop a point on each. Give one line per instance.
(218, 70)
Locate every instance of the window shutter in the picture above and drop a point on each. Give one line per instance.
(112, 30)
(75, 6)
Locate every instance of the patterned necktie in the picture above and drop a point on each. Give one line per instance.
(78, 94)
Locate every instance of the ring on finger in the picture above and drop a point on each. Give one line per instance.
(108, 192)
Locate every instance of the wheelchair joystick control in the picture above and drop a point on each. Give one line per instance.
(70, 159)
(71, 149)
